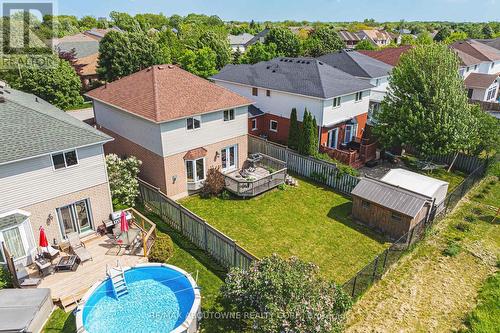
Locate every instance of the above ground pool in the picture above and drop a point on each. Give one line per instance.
(160, 298)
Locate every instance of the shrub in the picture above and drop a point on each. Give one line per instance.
(214, 183)
(5, 278)
(343, 169)
(282, 187)
(123, 181)
(163, 248)
(470, 218)
(287, 296)
(225, 195)
(464, 227)
(452, 249)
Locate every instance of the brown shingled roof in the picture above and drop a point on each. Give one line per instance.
(388, 55)
(479, 80)
(476, 50)
(89, 64)
(166, 92)
(195, 154)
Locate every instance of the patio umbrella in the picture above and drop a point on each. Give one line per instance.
(124, 223)
(43, 238)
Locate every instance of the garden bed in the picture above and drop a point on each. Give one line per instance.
(309, 221)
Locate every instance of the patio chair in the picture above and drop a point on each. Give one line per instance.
(50, 253)
(77, 247)
(24, 278)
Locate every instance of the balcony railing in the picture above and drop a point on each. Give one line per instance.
(148, 230)
(256, 177)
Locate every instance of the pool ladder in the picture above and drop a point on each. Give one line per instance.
(117, 276)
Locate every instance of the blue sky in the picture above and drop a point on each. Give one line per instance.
(311, 10)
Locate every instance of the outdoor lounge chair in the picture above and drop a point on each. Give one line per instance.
(24, 278)
(78, 248)
(50, 253)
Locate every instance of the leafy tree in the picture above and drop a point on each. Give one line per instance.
(455, 36)
(308, 139)
(294, 131)
(442, 34)
(259, 52)
(365, 44)
(426, 106)
(87, 22)
(287, 296)
(124, 53)
(487, 31)
(408, 40)
(322, 41)
(122, 174)
(488, 132)
(202, 62)
(219, 44)
(54, 81)
(424, 38)
(287, 44)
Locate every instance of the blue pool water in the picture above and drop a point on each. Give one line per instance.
(159, 300)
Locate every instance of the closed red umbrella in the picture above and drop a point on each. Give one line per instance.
(43, 238)
(123, 222)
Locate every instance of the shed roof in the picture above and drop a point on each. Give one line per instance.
(393, 197)
(414, 182)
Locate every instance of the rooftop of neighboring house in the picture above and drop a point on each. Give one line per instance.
(376, 34)
(259, 36)
(469, 49)
(357, 64)
(30, 127)
(388, 55)
(89, 64)
(84, 43)
(242, 39)
(100, 33)
(480, 80)
(494, 42)
(163, 93)
(346, 35)
(303, 76)
(391, 196)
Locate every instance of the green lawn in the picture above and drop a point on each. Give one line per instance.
(310, 221)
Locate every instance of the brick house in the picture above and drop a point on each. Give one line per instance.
(177, 124)
(52, 174)
(338, 101)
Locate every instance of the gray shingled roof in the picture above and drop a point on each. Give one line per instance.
(395, 198)
(495, 42)
(242, 39)
(357, 64)
(31, 127)
(11, 220)
(254, 111)
(304, 76)
(82, 48)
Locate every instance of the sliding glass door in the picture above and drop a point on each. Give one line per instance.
(75, 218)
(229, 157)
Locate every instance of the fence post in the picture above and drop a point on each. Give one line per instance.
(354, 285)
(408, 243)
(181, 219)
(375, 265)
(385, 259)
(206, 236)
(234, 255)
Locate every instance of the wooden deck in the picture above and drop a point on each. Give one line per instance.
(69, 287)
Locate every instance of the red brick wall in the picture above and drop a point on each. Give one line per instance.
(153, 166)
(361, 119)
(281, 136)
(260, 126)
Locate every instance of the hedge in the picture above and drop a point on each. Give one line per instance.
(163, 248)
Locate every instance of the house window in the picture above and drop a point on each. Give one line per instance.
(65, 159)
(396, 217)
(492, 64)
(75, 218)
(193, 123)
(229, 157)
(365, 204)
(377, 82)
(332, 138)
(491, 94)
(350, 133)
(273, 125)
(228, 115)
(336, 102)
(475, 67)
(468, 69)
(255, 92)
(268, 93)
(254, 124)
(195, 170)
(470, 92)
(359, 96)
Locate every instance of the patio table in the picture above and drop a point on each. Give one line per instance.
(126, 239)
(68, 263)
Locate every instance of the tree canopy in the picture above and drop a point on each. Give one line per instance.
(286, 296)
(287, 44)
(426, 106)
(365, 44)
(202, 62)
(322, 41)
(258, 52)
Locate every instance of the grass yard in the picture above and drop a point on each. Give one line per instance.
(436, 286)
(310, 221)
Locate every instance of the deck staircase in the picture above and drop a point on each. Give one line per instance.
(117, 276)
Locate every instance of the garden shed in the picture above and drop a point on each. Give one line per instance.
(390, 209)
(421, 184)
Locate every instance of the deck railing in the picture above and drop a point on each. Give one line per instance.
(148, 229)
(250, 188)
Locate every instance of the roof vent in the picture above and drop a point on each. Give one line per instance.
(319, 62)
(2, 84)
(171, 66)
(161, 67)
(274, 71)
(308, 62)
(36, 99)
(281, 59)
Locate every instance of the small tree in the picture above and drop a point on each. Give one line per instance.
(286, 296)
(201, 62)
(258, 52)
(305, 137)
(287, 44)
(294, 131)
(214, 183)
(313, 132)
(122, 174)
(365, 44)
(426, 106)
(322, 41)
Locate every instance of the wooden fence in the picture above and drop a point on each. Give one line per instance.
(321, 171)
(464, 163)
(222, 248)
